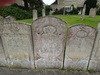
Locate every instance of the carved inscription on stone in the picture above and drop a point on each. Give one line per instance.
(79, 46)
(49, 41)
(18, 45)
(95, 59)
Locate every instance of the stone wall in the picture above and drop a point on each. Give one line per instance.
(46, 45)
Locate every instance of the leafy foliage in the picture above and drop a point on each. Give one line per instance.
(35, 3)
(47, 8)
(90, 4)
(15, 12)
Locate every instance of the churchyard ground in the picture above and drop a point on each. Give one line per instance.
(73, 20)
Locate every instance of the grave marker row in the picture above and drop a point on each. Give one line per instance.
(47, 49)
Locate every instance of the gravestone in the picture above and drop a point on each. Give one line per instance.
(95, 57)
(43, 12)
(1, 20)
(99, 24)
(3, 58)
(9, 19)
(51, 12)
(49, 41)
(83, 12)
(64, 11)
(92, 12)
(79, 46)
(17, 42)
(79, 12)
(35, 16)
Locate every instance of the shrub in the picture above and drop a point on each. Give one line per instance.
(39, 10)
(47, 8)
(15, 12)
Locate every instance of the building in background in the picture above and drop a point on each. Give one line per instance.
(58, 4)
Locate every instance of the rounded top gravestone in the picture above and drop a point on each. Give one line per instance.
(49, 41)
(17, 43)
(79, 46)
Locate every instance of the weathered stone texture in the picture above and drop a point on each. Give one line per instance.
(5, 71)
(99, 24)
(49, 41)
(17, 42)
(3, 58)
(95, 59)
(1, 20)
(35, 15)
(83, 12)
(92, 12)
(9, 19)
(43, 12)
(79, 46)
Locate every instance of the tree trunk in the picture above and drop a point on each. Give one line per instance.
(26, 4)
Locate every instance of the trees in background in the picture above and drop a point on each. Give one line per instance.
(26, 4)
(33, 4)
(90, 4)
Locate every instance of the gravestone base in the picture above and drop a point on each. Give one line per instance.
(80, 65)
(94, 65)
(9, 71)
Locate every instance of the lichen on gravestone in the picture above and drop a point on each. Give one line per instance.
(1, 20)
(9, 19)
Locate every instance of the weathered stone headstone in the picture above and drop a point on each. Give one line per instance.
(9, 19)
(79, 46)
(35, 15)
(92, 12)
(83, 12)
(3, 58)
(49, 41)
(17, 42)
(95, 56)
(80, 12)
(43, 12)
(1, 20)
(64, 11)
(99, 24)
(51, 12)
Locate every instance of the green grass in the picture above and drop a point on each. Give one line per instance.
(73, 20)
(26, 20)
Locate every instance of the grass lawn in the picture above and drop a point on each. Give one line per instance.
(73, 20)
